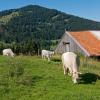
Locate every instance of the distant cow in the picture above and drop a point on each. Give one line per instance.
(47, 54)
(69, 60)
(8, 52)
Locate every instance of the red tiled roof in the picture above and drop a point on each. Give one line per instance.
(88, 41)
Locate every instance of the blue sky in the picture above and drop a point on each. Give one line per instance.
(89, 9)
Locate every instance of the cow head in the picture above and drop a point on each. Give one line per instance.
(75, 77)
(12, 54)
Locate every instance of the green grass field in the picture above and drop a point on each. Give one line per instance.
(32, 78)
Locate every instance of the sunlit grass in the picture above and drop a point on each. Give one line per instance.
(32, 78)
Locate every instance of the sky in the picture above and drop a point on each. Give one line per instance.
(89, 9)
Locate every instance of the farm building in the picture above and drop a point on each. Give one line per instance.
(85, 42)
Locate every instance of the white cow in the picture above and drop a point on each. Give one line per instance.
(69, 60)
(47, 54)
(8, 52)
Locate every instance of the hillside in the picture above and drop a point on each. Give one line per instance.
(34, 27)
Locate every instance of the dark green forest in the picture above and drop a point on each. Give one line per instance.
(31, 28)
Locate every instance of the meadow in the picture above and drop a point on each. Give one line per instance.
(32, 78)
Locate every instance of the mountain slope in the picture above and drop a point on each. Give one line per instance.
(38, 25)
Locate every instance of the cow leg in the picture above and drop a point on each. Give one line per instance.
(44, 57)
(7, 54)
(64, 70)
(48, 58)
(70, 71)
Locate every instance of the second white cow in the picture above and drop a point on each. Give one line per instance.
(47, 54)
(8, 52)
(69, 60)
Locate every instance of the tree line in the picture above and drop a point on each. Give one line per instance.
(32, 28)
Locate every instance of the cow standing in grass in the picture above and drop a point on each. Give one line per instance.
(47, 54)
(69, 60)
(8, 52)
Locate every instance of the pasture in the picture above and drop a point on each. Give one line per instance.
(32, 78)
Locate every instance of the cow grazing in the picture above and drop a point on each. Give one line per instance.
(8, 52)
(47, 54)
(69, 60)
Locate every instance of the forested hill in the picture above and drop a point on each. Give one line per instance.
(33, 27)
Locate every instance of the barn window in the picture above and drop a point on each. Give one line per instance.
(66, 46)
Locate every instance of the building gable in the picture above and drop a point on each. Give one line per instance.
(81, 41)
